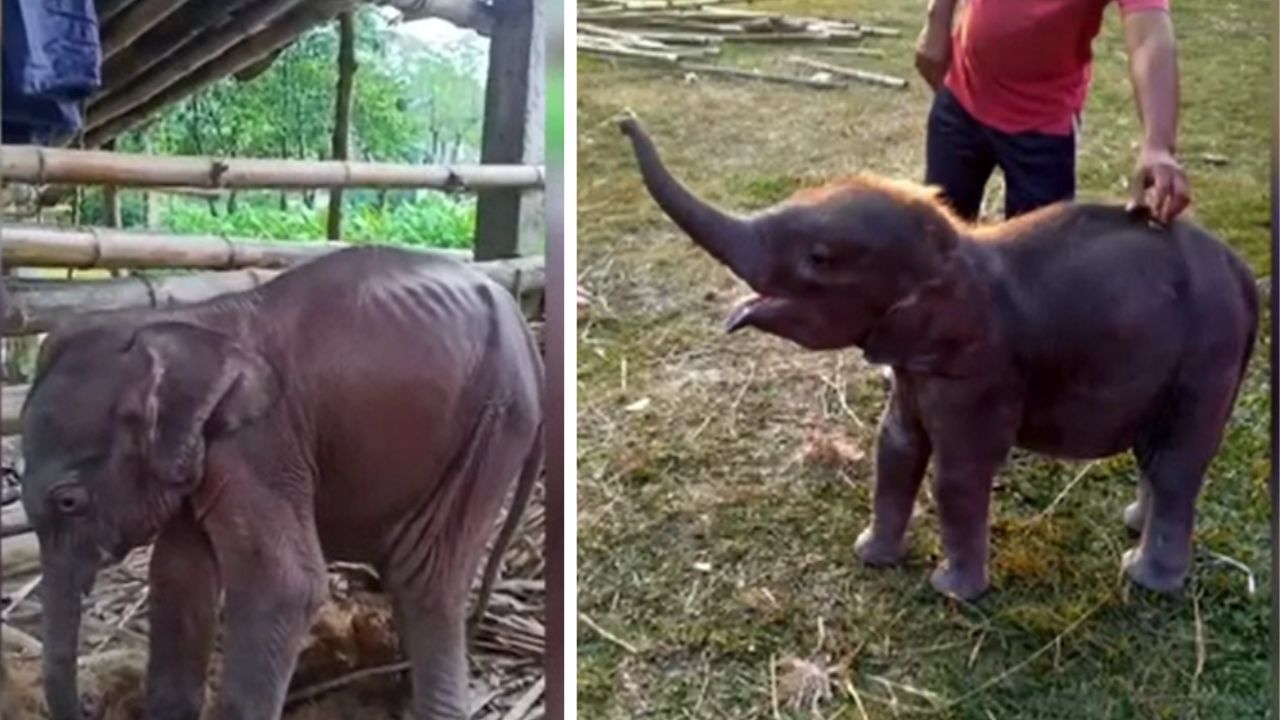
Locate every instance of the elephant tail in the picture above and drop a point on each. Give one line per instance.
(524, 490)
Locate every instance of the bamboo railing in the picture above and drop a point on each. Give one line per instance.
(107, 248)
(40, 165)
(35, 306)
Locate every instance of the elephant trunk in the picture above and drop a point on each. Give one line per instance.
(61, 594)
(731, 240)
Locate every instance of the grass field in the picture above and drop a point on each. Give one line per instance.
(722, 480)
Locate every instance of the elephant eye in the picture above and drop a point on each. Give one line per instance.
(820, 255)
(70, 499)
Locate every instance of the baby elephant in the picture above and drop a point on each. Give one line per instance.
(1077, 331)
(372, 405)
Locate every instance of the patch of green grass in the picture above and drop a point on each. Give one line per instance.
(710, 546)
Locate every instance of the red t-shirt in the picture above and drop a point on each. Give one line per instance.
(1025, 65)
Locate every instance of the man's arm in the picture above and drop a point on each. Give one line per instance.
(1159, 183)
(933, 47)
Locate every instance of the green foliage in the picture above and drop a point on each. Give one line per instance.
(414, 103)
(432, 221)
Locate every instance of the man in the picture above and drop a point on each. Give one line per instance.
(1010, 82)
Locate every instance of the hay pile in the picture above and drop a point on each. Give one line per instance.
(351, 666)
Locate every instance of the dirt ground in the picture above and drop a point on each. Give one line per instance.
(723, 479)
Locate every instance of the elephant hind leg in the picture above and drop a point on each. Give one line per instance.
(435, 555)
(1173, 458)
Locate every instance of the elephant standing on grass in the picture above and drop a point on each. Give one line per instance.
(1077, 331)
(373, 405)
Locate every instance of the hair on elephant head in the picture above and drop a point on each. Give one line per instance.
(115, 429)
(866, 262)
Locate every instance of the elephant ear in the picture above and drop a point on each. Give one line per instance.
(940, 328)
(199, 384)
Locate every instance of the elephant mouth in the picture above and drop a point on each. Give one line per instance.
(751, 308)
(812, 323)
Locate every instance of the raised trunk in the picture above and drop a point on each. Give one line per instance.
(61, 599)
(729, 239)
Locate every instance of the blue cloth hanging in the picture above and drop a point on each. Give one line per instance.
(51, 62)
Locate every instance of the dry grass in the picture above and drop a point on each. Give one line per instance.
(722, 480)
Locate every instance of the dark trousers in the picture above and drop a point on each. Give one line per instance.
(961, 154)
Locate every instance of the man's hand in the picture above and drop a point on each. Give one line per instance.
(933, 50)
(1160, 184)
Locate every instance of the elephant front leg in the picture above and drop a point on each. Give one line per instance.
(275, 580)
(963, 492)
(902, 454)
(183, 615)
(434, 637)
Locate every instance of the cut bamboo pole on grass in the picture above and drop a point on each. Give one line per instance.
(860, 52)
(643, 5)
(793, 37)
(107, 248)
(638, 40)
(38, 305)
(763, 76)
(622, 52)
(40, 165)
(861, 75)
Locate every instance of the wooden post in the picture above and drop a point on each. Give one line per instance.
(342, 112)
(510, 222)
(110, 198)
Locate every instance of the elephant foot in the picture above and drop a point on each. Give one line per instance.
(1134, 517)
(1153, 575)
(878, 552)
(959, 584)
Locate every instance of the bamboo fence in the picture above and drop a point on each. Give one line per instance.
(83, 248)
(36, 305)
(41, 165)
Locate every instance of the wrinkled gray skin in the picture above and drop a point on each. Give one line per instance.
(372, 405)
(1078, 331)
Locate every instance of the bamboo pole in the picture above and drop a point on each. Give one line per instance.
(616, 50)
(301, 18)
(38, 165)
(863, 75)
(758, 75)
(27, 245)
(38, 305)
(658, 5)
(342, 112)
